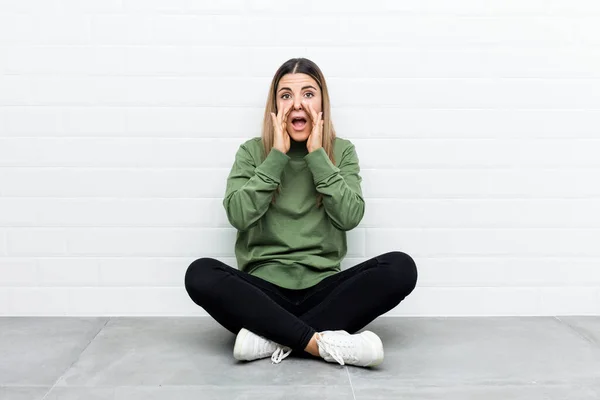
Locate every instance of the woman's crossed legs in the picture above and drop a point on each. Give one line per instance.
(348, 300)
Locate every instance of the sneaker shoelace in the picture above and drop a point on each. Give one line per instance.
(339, 348)
(279, 354)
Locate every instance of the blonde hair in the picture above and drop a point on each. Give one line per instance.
(300, 66)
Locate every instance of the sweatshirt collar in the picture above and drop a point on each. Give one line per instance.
(297, 149)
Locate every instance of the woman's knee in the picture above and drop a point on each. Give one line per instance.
(404, 270)
(199, 273)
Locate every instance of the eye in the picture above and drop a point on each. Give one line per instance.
(310, 93)
(283, 96)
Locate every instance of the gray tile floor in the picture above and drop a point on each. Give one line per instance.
(191, 358)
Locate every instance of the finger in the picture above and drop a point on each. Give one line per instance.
(311, 112)
(306, 108)
(279, 111)
(287, 111)
(319, 126)
(277, 126)
(315, 116)
(280, 115)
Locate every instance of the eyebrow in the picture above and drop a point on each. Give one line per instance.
(305, 87)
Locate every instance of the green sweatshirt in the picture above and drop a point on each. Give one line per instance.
(292, 243)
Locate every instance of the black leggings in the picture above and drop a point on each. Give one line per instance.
(348, 300)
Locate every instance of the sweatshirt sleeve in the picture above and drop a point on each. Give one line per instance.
(250, 188)
(342, 194)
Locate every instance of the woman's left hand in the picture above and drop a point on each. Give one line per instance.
(315, 139)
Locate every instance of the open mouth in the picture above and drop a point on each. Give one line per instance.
(299, 123)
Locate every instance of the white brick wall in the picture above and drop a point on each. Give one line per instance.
(477, 125)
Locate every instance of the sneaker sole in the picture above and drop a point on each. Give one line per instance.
(376, 346)
(237, 348)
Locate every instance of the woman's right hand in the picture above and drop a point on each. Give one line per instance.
(281, 141)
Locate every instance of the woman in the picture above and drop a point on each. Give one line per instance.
(292, 194)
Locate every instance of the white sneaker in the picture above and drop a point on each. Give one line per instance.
(249, 346)
(363, 349)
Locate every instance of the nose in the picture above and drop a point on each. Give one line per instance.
(297, 105)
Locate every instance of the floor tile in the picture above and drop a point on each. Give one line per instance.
(448, 351)
(23, 393)
(288, 392)
(36, 351)
(588, 327)
(512, 392)
(185, 351)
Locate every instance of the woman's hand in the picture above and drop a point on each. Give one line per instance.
(315, 139)
(281, 140)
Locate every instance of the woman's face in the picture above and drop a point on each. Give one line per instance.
(299, 91)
